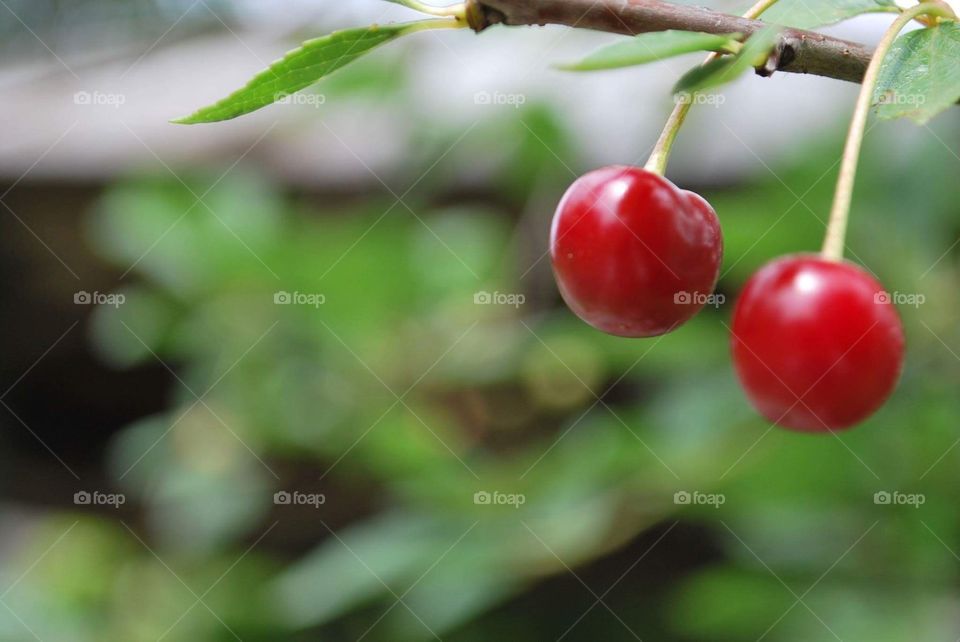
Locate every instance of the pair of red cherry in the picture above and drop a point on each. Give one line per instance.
(816, 344)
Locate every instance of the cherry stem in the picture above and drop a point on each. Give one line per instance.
(657, 162)
(833, 242)
(456, 11)
(437, 23)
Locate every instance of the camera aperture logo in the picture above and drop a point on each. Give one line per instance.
(696, 498)
(499, 298)
(96, 498)
(496, 498)
(914, 299)
(314, 299)
(699, 298)
(296, 498)
(896, 498)
(98, 298)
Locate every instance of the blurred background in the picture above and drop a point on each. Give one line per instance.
(305, 375)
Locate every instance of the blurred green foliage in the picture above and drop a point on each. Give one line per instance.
(399, 398)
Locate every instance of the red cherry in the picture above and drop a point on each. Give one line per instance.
(634, 255)
(817, 344)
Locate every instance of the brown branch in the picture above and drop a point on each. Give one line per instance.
(799, 51)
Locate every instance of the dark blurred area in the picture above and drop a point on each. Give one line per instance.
(306, 375)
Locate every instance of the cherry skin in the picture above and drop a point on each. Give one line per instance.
(634, 255)
(816, 343)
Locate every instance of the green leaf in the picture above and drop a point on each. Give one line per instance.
(722, 70)
(300, 68)
(806, 14)
(920, 76)
(650, 47)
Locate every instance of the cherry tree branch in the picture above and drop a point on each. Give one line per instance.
(798, 51)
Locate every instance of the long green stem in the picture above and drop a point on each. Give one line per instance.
(661, 151)
(840, 211)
